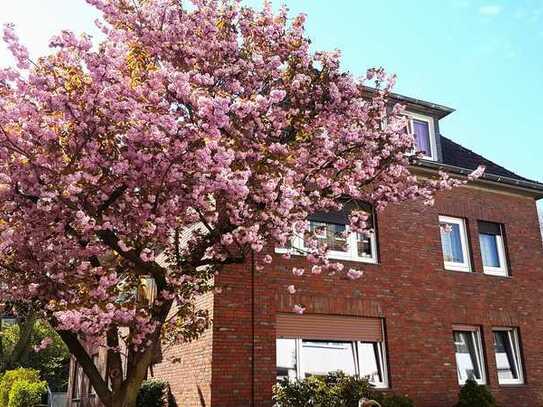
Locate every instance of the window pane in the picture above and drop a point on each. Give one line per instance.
(422, 136)
(322, 357)
(363, 242)
(451, 242)
(467, 355)
(505, 356)
(332, 234)
(286, 358)
(370, 366)
(489, 250)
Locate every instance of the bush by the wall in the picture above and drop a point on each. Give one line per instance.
(155, 393)
(393, 400)
(27, 394)
(334, 390)
(9, 378)
(475, 395)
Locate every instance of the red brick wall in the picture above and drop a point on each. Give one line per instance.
(419, 300)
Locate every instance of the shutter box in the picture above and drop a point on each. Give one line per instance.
(490, 228)
(342, 217)
(329, 327)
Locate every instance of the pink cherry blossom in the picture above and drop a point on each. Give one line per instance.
(299, 309)
(298, 272)
(291, 289)
(44, 344)
(477, 173)
(316, 269)
(354, 274)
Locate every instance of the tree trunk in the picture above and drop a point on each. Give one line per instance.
(130, 396)
(137, 366)
(23, 342)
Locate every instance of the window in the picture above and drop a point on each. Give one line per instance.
(300, 358)
(508, 360)
(286, 358)
(492, 248)
(422, 128)
(331, 228)
(322, 357)
(317, 344)
(469, 354)
(334, 235)
(342, 244)
(454, 243)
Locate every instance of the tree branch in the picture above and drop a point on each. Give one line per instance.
(114, 362)
(117, 192)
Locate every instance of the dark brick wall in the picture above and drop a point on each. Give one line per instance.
(419, 300)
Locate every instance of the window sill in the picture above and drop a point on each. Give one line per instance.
(427, 158)
(461, 269)
(383, 388)
(479, 382)
(512, 385)
(331, 257)
(496, 273)
(507, 277)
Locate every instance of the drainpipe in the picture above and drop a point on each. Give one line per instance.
(253, 360)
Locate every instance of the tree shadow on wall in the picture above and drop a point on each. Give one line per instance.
(201, 396)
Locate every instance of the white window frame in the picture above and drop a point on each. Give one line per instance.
(513, 336)
(381, 355)
(451, 265)
(298, 248)
(476, 333)
(501, 271)
(431, 132)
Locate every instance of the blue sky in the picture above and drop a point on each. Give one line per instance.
(483, 58)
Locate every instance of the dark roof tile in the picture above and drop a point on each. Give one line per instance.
(459, 156)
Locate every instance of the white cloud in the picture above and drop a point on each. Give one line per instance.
(490, 10)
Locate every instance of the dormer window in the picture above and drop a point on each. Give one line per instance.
(422, 127)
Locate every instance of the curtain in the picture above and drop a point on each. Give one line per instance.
(422, 136)
(489, 250)
(451, 243)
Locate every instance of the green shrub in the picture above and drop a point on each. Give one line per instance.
(393, 400)
(475, 395)
(9, 378)
(53, 362)
(27, 394)
(155, 393)
(334, 390)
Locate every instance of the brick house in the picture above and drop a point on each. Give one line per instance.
(448, 291)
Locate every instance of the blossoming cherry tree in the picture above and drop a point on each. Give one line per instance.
(191, 136)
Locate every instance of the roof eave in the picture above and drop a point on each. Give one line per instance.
(534, 189)
(423, 106)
